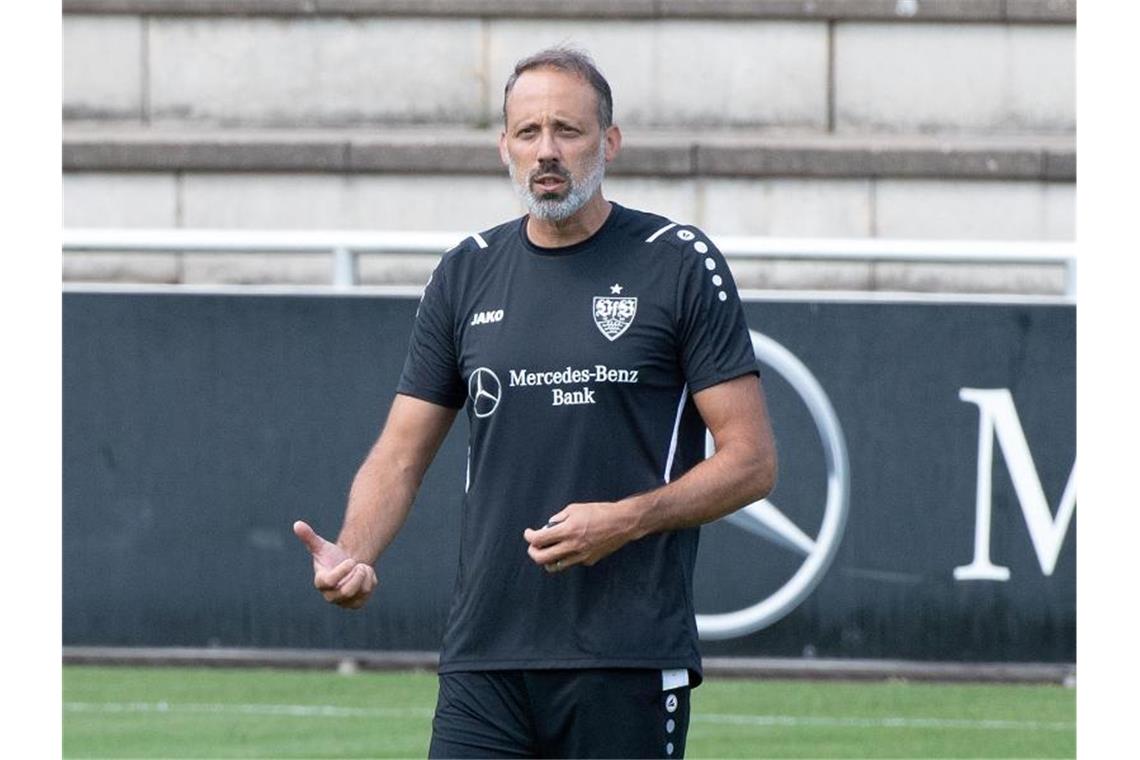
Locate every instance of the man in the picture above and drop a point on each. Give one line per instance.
(591, 346)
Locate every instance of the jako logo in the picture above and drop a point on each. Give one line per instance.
(486, 317)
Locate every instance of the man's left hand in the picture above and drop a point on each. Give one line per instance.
(581, 534)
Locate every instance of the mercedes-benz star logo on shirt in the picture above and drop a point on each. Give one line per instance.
(485, 391)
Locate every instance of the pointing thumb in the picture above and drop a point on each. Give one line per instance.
(313, 542)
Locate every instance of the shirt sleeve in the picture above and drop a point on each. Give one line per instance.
(431, 371)
(715, 345)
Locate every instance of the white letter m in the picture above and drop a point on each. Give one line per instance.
(997, 417)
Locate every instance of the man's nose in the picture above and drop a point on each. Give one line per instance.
(547, 146)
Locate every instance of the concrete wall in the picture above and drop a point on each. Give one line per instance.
(986, 78)
(836, 118)
(814, 75)
(889, 208)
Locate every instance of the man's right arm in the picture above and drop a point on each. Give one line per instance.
(379, 501)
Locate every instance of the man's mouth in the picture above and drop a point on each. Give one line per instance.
(549, 182)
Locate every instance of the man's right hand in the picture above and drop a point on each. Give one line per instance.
(342, 580)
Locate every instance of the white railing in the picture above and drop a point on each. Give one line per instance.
(345, 246)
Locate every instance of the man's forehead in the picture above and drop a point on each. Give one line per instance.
(550, 89)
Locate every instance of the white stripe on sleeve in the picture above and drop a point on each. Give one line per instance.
(660, 232)
(676, 429)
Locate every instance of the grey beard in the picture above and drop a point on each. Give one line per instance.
(551, 210)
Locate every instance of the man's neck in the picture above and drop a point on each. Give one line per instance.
(588, 220)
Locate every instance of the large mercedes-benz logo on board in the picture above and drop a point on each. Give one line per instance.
(765, 520)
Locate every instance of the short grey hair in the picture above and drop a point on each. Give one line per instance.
(574, 62)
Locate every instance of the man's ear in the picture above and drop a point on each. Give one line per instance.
(504, 156)
(613, 142)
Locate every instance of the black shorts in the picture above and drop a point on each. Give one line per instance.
(559, 713)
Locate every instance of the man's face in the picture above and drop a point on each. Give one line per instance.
(553, 144)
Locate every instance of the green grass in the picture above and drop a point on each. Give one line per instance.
(231, 713)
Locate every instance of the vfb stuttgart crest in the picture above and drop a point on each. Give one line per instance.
(613, 315)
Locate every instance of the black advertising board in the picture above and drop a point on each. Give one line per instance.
(925, 507)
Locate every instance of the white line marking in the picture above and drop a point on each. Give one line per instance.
(660, 232)
(797, 721)
(335, 711)
(293, 711)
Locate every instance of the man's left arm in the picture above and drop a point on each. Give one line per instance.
(742, 470)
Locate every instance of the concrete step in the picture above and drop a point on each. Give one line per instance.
(674, 154)
(1010, 11)
(727, 182)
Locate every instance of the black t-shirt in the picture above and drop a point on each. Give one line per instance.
(577, 367)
